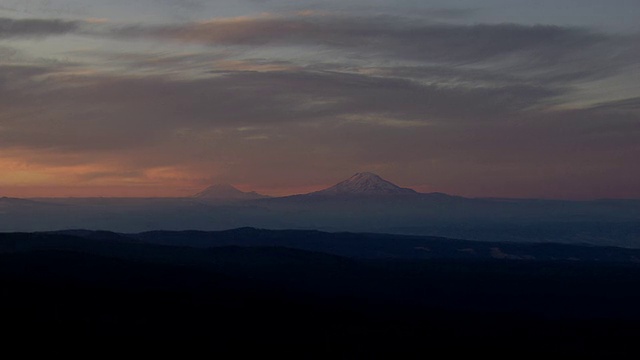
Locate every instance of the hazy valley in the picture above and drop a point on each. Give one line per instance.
(363, 203)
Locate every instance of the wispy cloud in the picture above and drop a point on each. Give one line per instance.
(546, 53)
(192, 5)
(36, 27)
(549, 54)
(404, 37)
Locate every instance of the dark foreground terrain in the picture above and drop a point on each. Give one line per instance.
(159, 292)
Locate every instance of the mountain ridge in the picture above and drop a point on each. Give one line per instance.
(227, 192)
(364, 184)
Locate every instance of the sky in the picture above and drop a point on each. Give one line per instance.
(491, 98)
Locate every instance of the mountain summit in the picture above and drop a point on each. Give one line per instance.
(366, 183)
(227, 192)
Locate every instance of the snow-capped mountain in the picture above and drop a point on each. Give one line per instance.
(365, 183)
(227, 192)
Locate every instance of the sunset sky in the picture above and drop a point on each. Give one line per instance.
(508, 98)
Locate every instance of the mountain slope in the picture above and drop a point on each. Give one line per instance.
(227, 192)
(365, 184)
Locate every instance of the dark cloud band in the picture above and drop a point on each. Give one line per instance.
(36, 27)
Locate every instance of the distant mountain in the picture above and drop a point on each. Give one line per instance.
(365, 184)
(227, 192)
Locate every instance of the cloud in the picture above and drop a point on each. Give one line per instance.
(402, 37)
(96, 127)
(544, 53)
(240, 125)
(403, 8)
(631, 105)
(548, 54)
(192, 5)
(11, 28)
(100, 112)
(47, 108)
(433, 103)
(8, 53)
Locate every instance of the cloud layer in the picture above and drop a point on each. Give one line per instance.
(296, 100)
(10, 28)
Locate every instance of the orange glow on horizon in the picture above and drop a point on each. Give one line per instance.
(139, 191)
(92, 191)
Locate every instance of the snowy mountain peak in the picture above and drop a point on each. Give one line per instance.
(227, 192)
(365, 183)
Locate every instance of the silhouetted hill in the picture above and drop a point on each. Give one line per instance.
(251, 291)
(105, 290)
(385, 246)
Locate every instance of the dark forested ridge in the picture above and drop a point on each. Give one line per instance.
(372, 246)
(307, 293)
